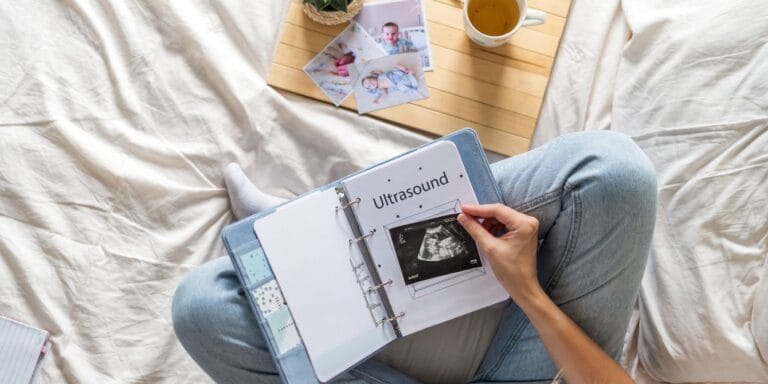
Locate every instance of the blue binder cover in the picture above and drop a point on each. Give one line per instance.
(255, 274)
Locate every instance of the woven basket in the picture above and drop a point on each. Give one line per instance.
(334, 17)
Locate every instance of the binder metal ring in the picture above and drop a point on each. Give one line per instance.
(356, 239)
(388, 319)
(379, 286)
(356, 267)
(347, 205)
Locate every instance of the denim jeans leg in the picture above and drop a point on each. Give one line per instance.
(594, 195)
(213, 321)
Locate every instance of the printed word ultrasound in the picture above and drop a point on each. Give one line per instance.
(385, 199)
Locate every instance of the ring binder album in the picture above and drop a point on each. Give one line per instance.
(368, 265)
(336, 324)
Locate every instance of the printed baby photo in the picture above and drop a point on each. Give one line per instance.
(330, 69)
(389, 81)
(399, 26)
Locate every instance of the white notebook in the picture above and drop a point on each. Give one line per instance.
(22, 348)
(377, 256)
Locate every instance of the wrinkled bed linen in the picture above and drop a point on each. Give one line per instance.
(688, 84)
(116, 120)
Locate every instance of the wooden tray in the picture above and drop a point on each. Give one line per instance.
(497, 91)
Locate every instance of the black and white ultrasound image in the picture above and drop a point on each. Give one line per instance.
(434, 247)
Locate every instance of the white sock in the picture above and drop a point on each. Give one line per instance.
(244, 197)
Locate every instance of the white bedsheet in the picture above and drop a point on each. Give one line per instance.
(686, 79)
(117, 118)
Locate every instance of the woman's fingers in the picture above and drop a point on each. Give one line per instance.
(485, 210)
(505, 215)
(490, 223)
(482, 237)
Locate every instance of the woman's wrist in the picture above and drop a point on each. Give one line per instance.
(528, 295)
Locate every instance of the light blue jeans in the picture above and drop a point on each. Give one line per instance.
(595, 197)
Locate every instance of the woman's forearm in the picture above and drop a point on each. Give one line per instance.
(513, 259)
(579, 358)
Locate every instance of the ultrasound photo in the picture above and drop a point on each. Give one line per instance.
(435, 247)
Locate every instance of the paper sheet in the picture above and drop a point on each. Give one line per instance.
(427, 183)
(21, 349)
(307, 245)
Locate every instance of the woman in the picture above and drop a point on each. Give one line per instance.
(577, 224)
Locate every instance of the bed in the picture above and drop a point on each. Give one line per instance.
(118, 118)
(685, 80)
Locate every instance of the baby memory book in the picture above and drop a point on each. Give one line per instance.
(336, 274)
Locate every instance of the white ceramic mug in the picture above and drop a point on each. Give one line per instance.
(527, 17)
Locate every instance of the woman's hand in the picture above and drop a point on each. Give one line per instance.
(513, 254)
(513, 259)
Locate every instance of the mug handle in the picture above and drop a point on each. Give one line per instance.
(534, 17)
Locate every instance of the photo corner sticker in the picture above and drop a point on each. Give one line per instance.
(434, 247)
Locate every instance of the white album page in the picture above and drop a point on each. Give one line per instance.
(306, 242)
(409, 206)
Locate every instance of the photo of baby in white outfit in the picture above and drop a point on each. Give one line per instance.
(396, 79)
(390, 80)
(398, 26)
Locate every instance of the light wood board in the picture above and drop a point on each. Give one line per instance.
(496, 91)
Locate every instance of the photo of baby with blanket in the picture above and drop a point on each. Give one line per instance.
(398, 78)
(389, 81)
(330, 69)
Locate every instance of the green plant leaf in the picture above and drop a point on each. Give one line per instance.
(339, 5)
(322, 4)
(311, 2)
